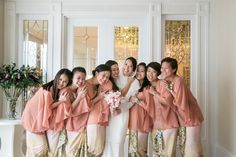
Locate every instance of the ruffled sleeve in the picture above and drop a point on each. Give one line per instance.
(81, 108)
(35, 117)
(148, 103)
(181, 100)
(61, 112)
(104, 113)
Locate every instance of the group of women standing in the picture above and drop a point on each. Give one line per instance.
(70, 117)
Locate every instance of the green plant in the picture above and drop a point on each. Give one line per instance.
(23, 77)
(14, 81)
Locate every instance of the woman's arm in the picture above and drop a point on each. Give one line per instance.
(163, 100)
(81, 94)
(55, 104)
(98, 97)
(125, 90)
(63, 97)
(170, 87)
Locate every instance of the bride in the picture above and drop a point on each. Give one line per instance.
(117, 128)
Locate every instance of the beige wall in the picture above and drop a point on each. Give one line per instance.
(223, 76)
(1, 45)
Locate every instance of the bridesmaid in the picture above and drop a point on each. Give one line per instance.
(38, 110)
(187, 108)
(98, 119)
(165, 121)
(61, 110)
(140, 115)
(76, 125)
(114, 69)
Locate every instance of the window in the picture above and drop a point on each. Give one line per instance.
(126, 43)
(35, 45)
(177, 45)
(85, 47)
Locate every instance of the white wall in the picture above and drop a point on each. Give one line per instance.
(222, 91)
(1, 45)
(221, 76)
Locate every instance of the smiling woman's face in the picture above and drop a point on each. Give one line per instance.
(115, 71)
(166, 70)
(79, 79)
(103, 77)
(128, 68)
(140, 74)
(151, 74)
(62, 82)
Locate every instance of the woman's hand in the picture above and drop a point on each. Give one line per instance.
(152, 91)
(64, 96)
(127, 85)
(82, 92)
(130, 80)
(133, 100)
(101, 92)
(165, 83)
(115, 111)
(169, 86)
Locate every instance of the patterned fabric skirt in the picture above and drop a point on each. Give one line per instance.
(164, 142)
(138, 142)
(77, 144)
(181, 139)
(36, 145)
(57, 142)
(96, 139)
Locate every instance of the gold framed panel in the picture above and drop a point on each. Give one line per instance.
(178, 45)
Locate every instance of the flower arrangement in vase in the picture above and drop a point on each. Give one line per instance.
(14, 81)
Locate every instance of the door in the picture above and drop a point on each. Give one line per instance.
(94, 41)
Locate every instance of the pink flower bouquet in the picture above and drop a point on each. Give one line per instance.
(113, 99)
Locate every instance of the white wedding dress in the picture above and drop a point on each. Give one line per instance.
(117, 128)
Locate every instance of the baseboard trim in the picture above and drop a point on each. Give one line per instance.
(222, 152)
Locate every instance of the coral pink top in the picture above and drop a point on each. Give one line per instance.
(165, 115)
(100, 110)
(79, 115)
(188, 110)
(37, 112)
(61, 112)
(140, 115)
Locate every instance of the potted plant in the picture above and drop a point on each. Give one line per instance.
(14, 81)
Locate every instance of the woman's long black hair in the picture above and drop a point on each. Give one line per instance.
(104, 67)
(109, 63)
(145, 80)
(134, 62)
(53, 83)
(156, 66)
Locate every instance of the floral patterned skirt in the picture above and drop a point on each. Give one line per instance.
(164, 142)
(77, 144)
(57, 143)
(138, 143)
(181, 139)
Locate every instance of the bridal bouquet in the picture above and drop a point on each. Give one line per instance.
(113, 99)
